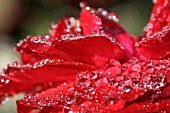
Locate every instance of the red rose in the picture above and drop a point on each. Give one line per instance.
(82, 66)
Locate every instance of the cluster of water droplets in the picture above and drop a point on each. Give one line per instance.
(160, 36)
(8, 72)
(40, 44)
(110, 15)
(71, 25)
(107, 86)
(71, 37)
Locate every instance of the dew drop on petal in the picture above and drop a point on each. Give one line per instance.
(127, 89)
(136, 68)
(70, 99)
(83, 83)
(101, 82)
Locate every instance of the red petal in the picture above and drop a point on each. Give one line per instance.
(160, 106)
(131, 108)
(93, 21)
(155, 47)
(67, 25)
(94, 50)
(97, 91)
(160, 17)
(28, 53)
(72, 48)
(66, 98)
(90, 21)
(32, 75)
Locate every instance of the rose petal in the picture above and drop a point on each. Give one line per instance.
(67, 25)
(160, 106)
(30, 45)
(160, 17)
(65, 98)
(93, 21)
(94, 50)
(90, 21)
(72, 48)
(97, 91)
(131, 108)
(155, 47)
(32, 75)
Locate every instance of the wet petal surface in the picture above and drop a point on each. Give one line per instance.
(99, 92)
(40, 74)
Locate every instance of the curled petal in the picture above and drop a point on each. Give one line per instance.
(72, 48)
(155, 47)
(40, 73)
(94, 50)
(97, 21)
(160, 17)
(31, 47)
(67, 25)
(90, 21)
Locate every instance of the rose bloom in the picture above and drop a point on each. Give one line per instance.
(93, 65)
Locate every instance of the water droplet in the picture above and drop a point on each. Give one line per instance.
(81, 75)
(91, 87)
(87, 8)
(104, 13)
(134, 75)
(113, 16)
(142, 85)
(83, 83)
(127, 89)
(148, 27)
(119, 78)
(113, 83)
(127, 81)
(93, 75)
(112, 69)
(60, 95)
(135, 83)
(101, 82)
(70, 99)
(146, 78)
(136, 68)
(150, 69)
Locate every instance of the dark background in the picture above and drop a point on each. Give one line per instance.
(19, 18)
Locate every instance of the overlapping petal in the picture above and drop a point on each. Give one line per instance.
(102, 21)
(94, 50)
(155, 47)
(160, 17)
(156, 43)
(41, 73)
(102, 92)
(67, 25)
(72, 48)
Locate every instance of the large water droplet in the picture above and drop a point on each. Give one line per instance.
(91, 87)
(83, 83)
(119, 78)
(136, 68)
(70, 99)
(127, 89)
(101, 82)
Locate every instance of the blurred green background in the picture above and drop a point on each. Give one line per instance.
(19, 18)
